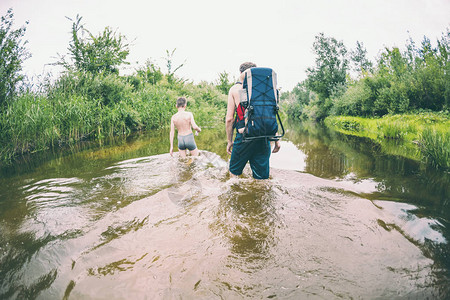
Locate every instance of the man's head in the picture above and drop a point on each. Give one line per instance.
(246, 65)
(181, 102)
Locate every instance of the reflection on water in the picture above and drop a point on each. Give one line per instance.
(337, 219)
(346, 158)
(247, 216)
(291, 158)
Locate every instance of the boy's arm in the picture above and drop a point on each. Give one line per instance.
(194, 125)
(172, 135)
(229, 120)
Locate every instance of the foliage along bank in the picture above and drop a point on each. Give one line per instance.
(90, 100)
(421, 136)
(394, 95)
(346, 82)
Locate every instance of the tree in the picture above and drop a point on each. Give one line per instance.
(359, 58)
(444, 54)
(392, 64)
(427, 84)
(12, 55)
(331, 66)
(223, 83)
(95, 54)
(296, 100)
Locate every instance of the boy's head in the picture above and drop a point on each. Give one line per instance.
(181, 102)
(246, 65)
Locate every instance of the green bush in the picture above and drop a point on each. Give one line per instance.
(150, 73)
(351, 124)
(108, 89)
(294, 102)
(351, 102)
(294, 110)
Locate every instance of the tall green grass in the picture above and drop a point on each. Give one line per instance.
(82, 106)
(358, 126)
(392, 130)
(431, 131)
(435, 147)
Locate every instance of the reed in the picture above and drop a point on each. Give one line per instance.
(82, 106)
(435, 147)
(428, 130)
(352, 124)
(391, 130)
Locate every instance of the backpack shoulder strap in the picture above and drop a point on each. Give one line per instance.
(247, 84)
(239, 121)
(274, 83)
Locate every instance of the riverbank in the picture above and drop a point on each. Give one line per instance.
(423, 136)
(81, 106)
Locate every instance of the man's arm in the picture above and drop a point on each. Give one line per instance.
(277, 147)
(231, 106)
(194, 125)
(172, 135)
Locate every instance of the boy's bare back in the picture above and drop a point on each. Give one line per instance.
(183, 122)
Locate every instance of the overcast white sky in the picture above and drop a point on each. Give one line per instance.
(216, 36)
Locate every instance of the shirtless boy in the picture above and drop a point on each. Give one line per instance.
(183, 121)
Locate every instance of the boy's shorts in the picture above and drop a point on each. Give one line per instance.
(257, 152)
(186, 142)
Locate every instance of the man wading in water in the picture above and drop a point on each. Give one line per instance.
(256, 151)
(183, 121)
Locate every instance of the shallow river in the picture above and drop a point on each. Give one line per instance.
(124, 220)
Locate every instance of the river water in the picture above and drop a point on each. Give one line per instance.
(338, 219)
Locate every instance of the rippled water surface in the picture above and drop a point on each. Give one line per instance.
(336, 220)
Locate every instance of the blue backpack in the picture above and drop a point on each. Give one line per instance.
(260, 97)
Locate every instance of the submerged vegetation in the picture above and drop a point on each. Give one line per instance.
(90, 100)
